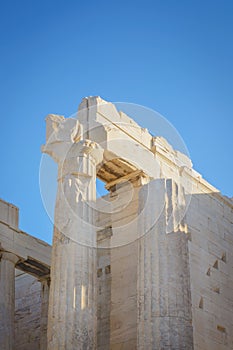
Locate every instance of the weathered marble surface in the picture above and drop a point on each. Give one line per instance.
(72, 322)
(148, 266)
(7, 302)
(147, 272)
(22, 320)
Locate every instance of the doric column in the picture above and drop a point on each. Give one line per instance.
(164, 301)
(7, 299)
(45, 283)
(72, 317)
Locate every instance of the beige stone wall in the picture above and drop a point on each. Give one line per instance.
(117, 269)
(27, 312)
(103, 298)
(210, 222)
(124, 297)
(9, 214)
(147, 294)
(191, 265)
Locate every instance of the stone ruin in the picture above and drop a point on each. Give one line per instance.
(149, 265)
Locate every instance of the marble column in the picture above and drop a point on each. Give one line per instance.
(7, 299)
(72, 317)
(164, 300)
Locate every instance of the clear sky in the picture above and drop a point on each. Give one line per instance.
(175, 57)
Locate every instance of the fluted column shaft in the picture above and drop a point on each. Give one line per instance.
(72, 320)
(7, 300)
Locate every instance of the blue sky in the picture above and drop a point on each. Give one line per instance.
(175, 57)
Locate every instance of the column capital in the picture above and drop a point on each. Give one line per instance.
(9, 256)
(74, 161)
(86, 148)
